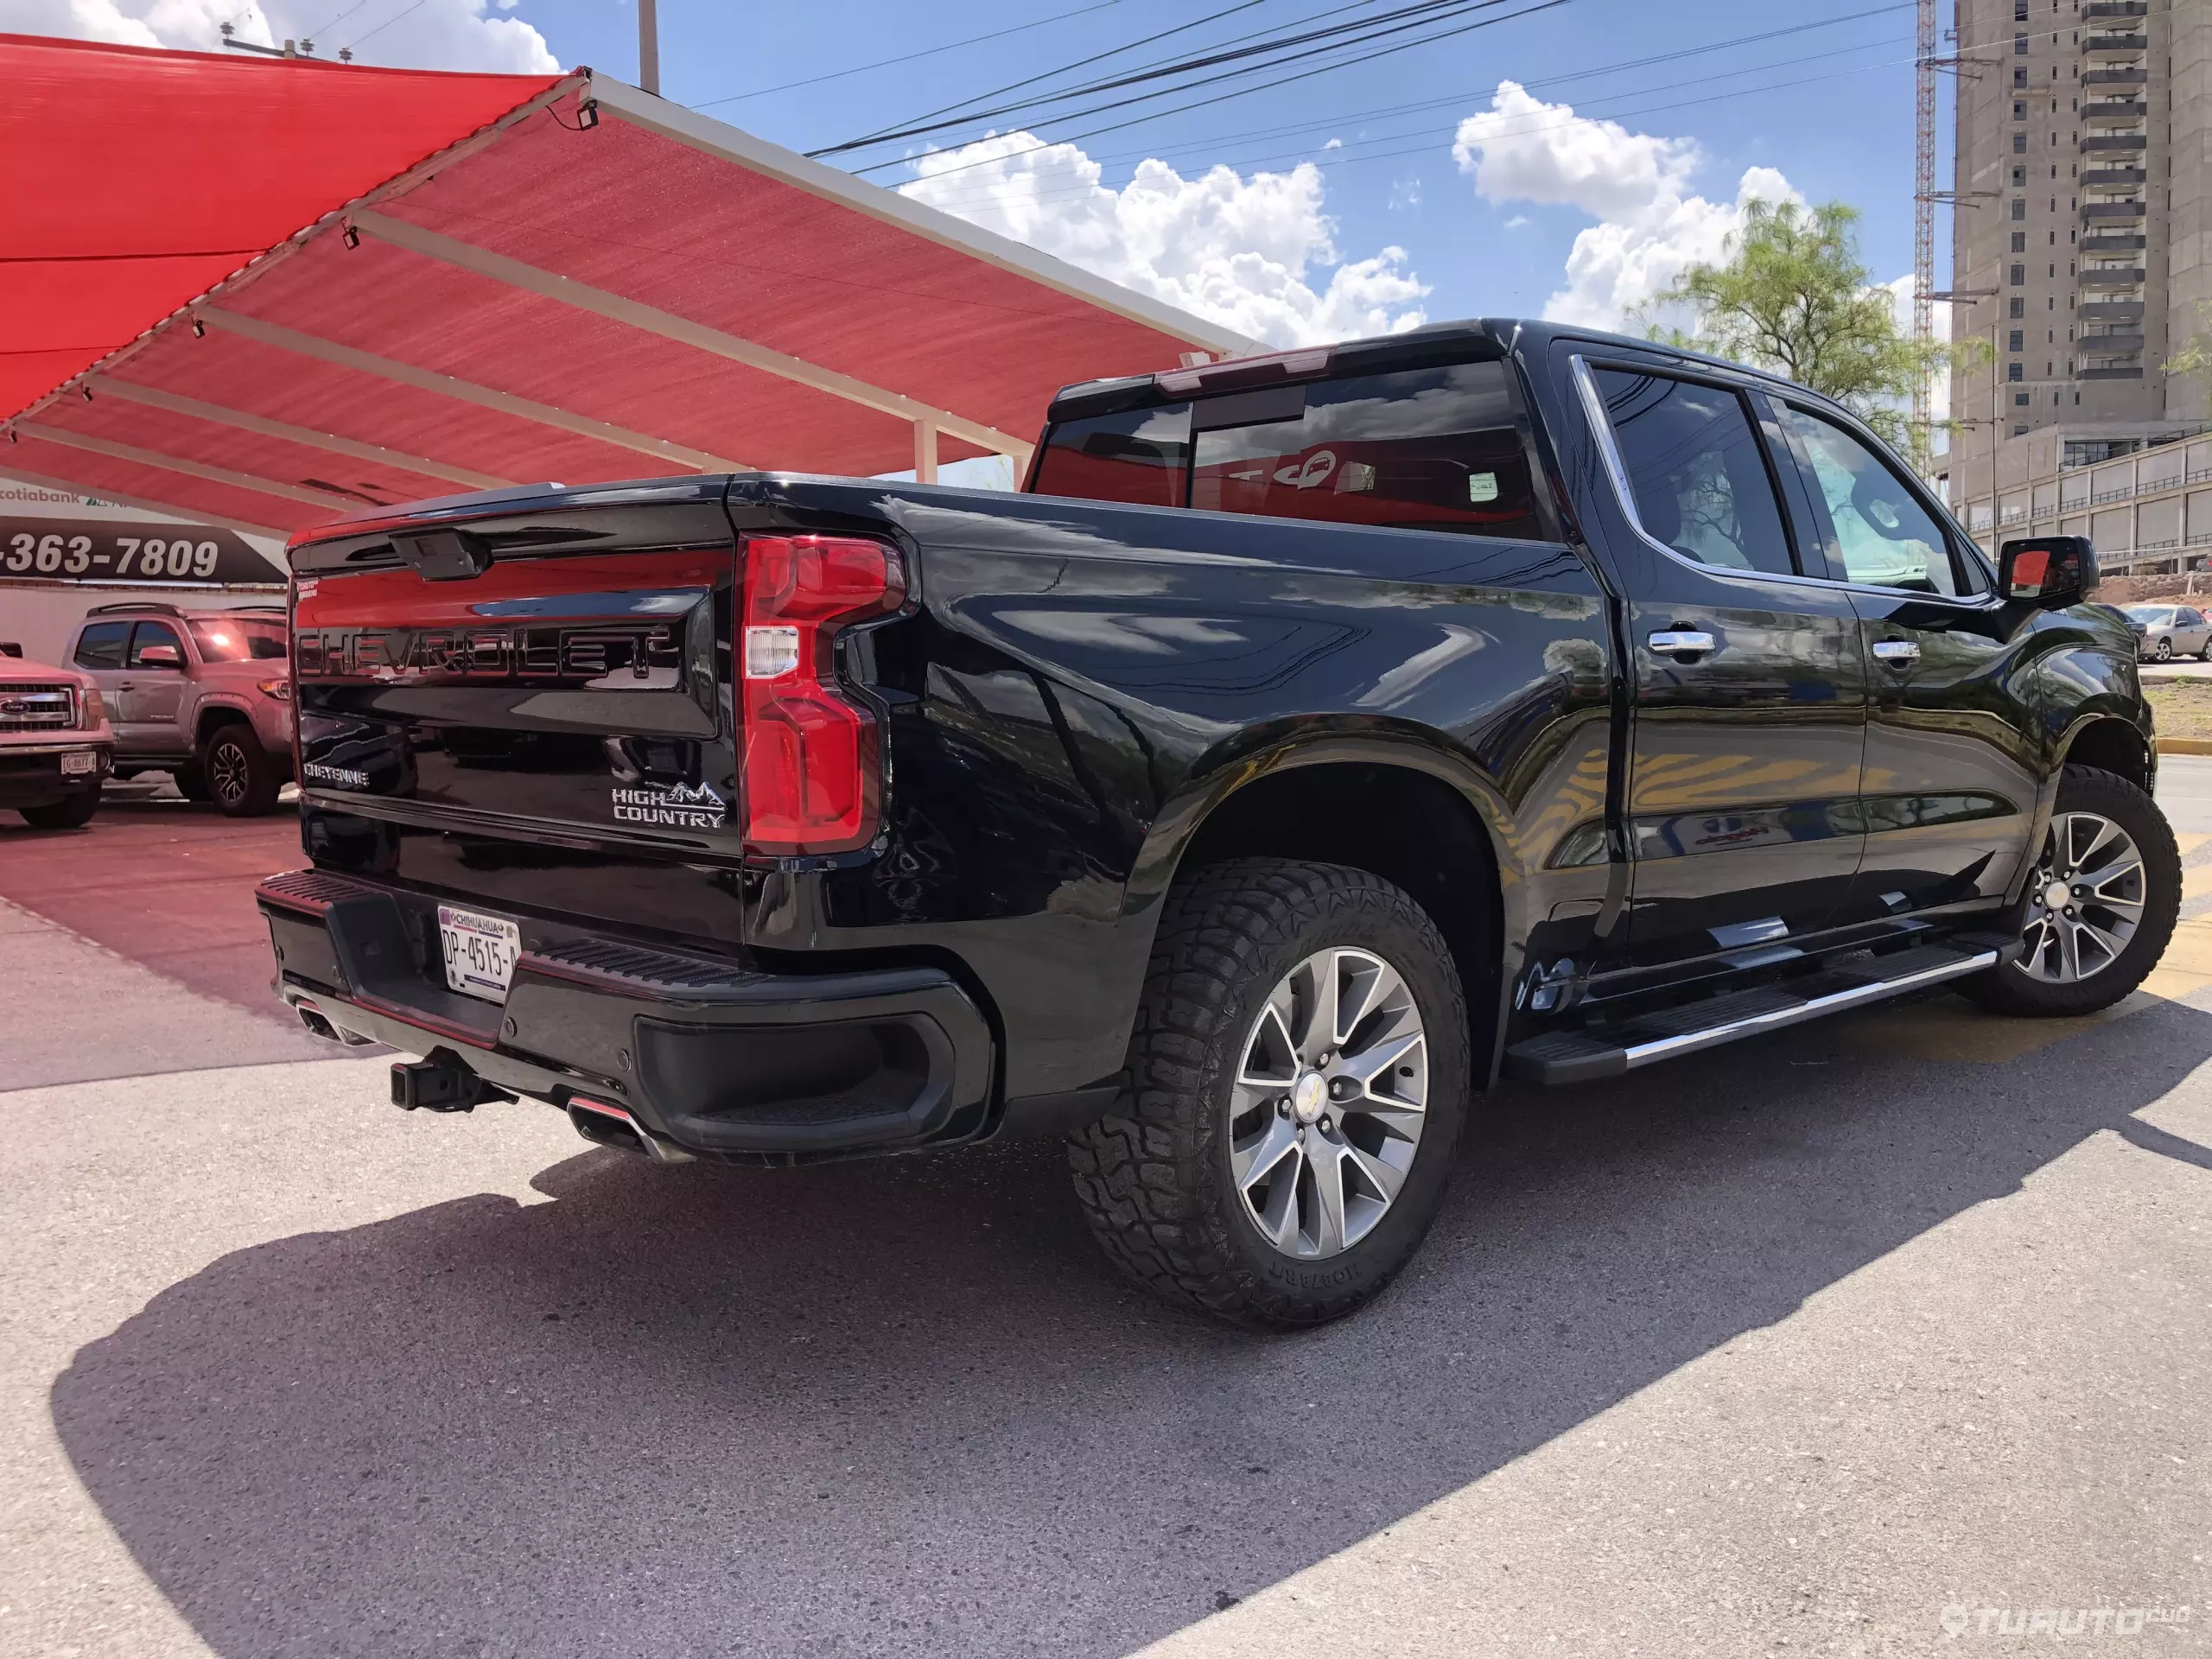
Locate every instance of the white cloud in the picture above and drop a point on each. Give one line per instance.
(1636, 185)
(437, 35)
(1240, 251)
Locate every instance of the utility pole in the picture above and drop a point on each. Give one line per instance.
(1924, 223)
(649, 45)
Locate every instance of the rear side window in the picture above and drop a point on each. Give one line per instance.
(100, 646)
(1700, 482)
(1141, 455)
(1423, 449)
(155, 633)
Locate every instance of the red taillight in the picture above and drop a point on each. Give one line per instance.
(810, 762)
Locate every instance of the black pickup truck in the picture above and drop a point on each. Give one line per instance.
(1319, 737)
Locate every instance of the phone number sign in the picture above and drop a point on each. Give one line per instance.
(149, 554)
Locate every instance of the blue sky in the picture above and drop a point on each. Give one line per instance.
(1830, 108)
(1368, 198)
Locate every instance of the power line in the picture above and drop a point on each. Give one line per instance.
(1350, 151)
(387, 23)
(333, 22)
(1564, 78)
(1346, 158)
(1096, 57)
(1420, 15)
(1352, 117)
(1246, 92)
(910, 57)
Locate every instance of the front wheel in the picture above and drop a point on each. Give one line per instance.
(74, 813)
(2101, 903)
(1297, 1079)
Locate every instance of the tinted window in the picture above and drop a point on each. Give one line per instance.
(1141, 455)
(2191, 619)
(230, 640)
(1875, 527)
(1700, 480)
(100, 646)
(1424, 450)
(153, 633)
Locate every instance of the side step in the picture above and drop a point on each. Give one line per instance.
(1560, 1057)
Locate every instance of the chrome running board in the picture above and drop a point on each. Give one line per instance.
(1561, 1056)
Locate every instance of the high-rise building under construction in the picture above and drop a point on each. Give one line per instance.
(2081, 243)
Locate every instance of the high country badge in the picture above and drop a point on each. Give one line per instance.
(680, 806)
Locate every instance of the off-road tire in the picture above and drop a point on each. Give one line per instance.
(2009, 989)
(240, 775)
(1154, 1174)
(74, 813)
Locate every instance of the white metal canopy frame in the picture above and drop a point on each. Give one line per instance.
(597, 276)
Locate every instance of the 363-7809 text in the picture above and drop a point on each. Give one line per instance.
(54, 554)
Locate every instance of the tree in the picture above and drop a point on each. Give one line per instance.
(2194, 361)
(1793, 297)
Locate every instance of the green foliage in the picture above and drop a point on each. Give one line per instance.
(2194, 361)
(1793, 297)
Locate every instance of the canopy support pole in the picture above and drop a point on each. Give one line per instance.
(551, 285)
(385, 368)
(924, 452)
(193, 409)
(146, 504)
(132, 452)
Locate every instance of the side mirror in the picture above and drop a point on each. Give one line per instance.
(2051, 571)
(161, 657)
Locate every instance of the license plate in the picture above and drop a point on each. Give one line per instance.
(82, 760)
(481, 952)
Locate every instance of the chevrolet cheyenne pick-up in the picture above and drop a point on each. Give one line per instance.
(1317, 738)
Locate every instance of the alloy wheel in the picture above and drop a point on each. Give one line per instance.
(1329, 1102)
(2166, 650)
(2086, 899)
(226, 772)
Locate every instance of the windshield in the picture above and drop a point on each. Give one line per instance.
(234, 640)
(2148, 614)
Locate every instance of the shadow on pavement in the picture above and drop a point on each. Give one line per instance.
(904, 1407)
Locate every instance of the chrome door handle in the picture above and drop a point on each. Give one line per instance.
(1681, 641)
(1898, 653)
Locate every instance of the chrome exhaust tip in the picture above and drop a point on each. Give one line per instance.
(612, 1126)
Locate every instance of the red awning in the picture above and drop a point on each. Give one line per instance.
(264, 292)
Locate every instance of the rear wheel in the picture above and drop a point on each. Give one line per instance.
(238, 772)
(72, 814)
(1297, 1079)
(2101, 902)
(191, 782)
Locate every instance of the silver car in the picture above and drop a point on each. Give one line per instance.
(2165, 632)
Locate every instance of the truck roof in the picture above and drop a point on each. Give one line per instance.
(1436, 343)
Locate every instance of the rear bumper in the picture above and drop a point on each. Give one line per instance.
(718, 1060)
(31, 774)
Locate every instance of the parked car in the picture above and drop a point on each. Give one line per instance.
(203, 694)
(56, 743)
(1322, 736)
(2165, 632)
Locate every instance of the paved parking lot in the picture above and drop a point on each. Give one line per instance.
(1877, 1338)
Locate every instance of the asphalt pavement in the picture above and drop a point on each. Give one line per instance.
(1880, 1337)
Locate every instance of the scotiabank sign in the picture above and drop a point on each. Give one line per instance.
(134, 553)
